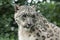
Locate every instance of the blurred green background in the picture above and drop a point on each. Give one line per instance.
(8, 27)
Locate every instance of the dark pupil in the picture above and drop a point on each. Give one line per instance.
(24, 15)
(33, 16)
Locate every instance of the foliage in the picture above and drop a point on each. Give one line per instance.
(6, 17)
(51, 12)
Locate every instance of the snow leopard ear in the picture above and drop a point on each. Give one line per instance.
(34, 7)
(16, 7)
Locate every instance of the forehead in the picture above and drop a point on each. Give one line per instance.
(26, 10)
(27, 13)
(25, 7)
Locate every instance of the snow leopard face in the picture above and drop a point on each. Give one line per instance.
(26, 18)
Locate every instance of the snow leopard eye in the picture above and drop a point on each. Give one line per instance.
(24, 17)
(33, 16)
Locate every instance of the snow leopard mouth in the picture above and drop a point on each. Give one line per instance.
(28, 26)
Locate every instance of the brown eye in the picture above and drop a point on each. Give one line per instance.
(33, 16)
(24, 16)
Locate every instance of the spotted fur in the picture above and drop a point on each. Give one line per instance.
(34, 26)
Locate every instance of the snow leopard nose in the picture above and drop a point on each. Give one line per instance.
(29, 21)
(29, 24)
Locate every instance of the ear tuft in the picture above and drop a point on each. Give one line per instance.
(17, 7)
(33, 6)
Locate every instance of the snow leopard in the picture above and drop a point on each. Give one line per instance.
(32, 25)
